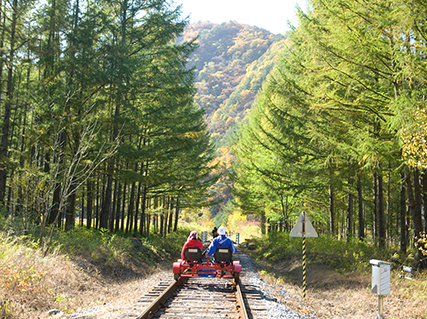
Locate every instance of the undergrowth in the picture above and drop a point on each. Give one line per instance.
(80, 258)
(339, 276)
(340, 255)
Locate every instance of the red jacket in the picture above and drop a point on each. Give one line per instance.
(191, 243)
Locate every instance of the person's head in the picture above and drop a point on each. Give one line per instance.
(221, 230)
(193, 235)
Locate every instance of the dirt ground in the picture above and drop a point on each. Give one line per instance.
(332, 294)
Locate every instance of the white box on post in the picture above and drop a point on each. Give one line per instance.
(380, 277)
(380, 282)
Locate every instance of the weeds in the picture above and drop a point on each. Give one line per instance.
(339, 276)
(6, 308)
(79, 259)
(347, 256)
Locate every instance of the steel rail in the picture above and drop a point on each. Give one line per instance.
(241, 302)
(160, 299)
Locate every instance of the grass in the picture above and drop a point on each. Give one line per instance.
(340, 255)
(88, 267)
(339, 277)
(78, 271)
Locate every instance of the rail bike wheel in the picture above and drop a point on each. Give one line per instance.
(236, 277)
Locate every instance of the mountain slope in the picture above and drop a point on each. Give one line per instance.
(231, 63)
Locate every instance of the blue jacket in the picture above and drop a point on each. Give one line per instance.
(220, 241)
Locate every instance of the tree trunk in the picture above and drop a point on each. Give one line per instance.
(97, 204)
(118, 207)
(122, 222)
(148, 218)
(131, 204)
(331, 210)
(375, 211)
(263, 220)
(388, 210)
(361, 230)
(381, 215)
(106, 204)
(175, 227)
(70, 209)
(416, 214)
(82, 214)
(7, 108)
(417, 196)
(161, 220)
(144, 221)
(138, 199)
(2, 48)
(425, 199)
(415, 209)
(116, 204)
(349, 211)
(402, 213)
(170, 206)
(89, 205)
(155, 216)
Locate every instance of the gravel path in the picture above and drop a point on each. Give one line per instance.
(273, 294)
(122, 297)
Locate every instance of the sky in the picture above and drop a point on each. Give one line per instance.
(271, 15)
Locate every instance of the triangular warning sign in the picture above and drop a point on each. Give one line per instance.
(303, 225)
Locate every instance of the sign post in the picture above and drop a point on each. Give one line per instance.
(303, 228)
(380, 282)
(204, 236)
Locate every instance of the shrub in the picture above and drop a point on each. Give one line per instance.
(352, 255)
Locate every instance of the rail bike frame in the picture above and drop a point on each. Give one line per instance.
(222, 267)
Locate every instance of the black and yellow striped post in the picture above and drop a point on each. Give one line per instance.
(304, 274)
(303, 228)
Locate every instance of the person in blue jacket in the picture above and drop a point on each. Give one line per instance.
(221, 241)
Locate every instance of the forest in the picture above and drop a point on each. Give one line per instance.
(98, 117)
(124, 127)
(119, 115)
(339, 127)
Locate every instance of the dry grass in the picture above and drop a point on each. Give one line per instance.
(334, 294)
(31, 285)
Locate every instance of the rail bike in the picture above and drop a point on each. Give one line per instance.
(221, 266)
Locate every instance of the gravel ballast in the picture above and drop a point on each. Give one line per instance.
(273, 297)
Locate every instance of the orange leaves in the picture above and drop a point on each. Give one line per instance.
(21, 280)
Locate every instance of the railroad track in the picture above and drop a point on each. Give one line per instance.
(199, 297)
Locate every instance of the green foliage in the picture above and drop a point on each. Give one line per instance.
(111, 250)
(87, 77)
(96, 245)
(172, 246)
(343, 256)
(336, 109)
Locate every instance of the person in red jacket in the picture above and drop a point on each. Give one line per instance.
(192, 241)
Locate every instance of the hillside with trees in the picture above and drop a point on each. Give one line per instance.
(231, 63)
(121, 122)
